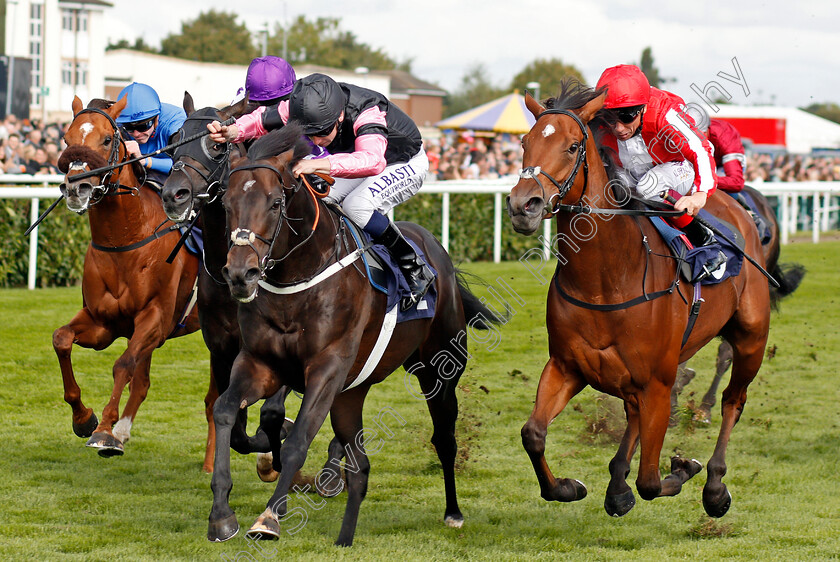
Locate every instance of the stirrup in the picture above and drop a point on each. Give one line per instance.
(715, 267)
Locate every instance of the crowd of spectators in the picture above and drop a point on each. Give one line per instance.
(29, 147)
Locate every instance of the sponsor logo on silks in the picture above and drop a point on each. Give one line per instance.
(386, 180)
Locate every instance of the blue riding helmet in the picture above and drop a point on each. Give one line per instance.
(143, 103)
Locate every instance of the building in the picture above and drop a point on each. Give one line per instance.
(65, 43)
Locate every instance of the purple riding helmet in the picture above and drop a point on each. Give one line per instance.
(269, 80)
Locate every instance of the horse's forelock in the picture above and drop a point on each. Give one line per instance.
(280, 141)
(573, 94)
(99, 103)
(80, 154)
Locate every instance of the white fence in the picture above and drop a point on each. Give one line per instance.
(795, 201)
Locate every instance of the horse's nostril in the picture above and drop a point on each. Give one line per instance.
(534, 205)
(182, 194)
(253, 274)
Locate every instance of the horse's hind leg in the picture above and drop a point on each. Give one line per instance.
(83, 331)
(619, 498)
(442, 401)
(746, 362)
(722, 364)
(554, 392)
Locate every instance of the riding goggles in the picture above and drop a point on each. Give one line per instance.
(627, 115)
(140, 126)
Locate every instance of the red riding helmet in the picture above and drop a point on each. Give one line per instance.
(627, 86)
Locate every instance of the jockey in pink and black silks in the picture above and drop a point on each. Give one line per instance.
(658, 147)
(375, 153)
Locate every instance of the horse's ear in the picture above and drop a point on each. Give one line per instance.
(588, 111)
(236, 110)
(115, 110)
(77, 105)
(236, 159)
(533, 105)
(189, 105)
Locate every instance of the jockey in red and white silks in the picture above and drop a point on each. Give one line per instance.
(729, 155)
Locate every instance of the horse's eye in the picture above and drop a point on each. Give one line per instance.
(574, 147)
(276, 204)
(107, 140)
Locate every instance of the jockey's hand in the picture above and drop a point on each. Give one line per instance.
(691, 203)
(132, 148)
(222, 133)
(311, 165)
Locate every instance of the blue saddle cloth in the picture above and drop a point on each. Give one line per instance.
(696, 258)
(385, 276)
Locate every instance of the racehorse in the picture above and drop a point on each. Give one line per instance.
(195, 186)
(616, 314)
(788, 275)
(128, 289)
(317, 326)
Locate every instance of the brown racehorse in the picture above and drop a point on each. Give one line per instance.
(128, 289)
(311, 320)
(615, 314)
(788, 275)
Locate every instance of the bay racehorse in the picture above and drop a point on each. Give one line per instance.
(194, 190)
(789, 277)
(311, 320)
(616, 314)
(128, 289)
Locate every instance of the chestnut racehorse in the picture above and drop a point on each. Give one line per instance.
(311, 320)
(128, 289)
(616, 314)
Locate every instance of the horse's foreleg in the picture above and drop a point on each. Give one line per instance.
(653, 423)
(746, 362)
(325, 377)
(83, 331)
(209, 400)
(272, 426)
(554, 392)
(131, 368)
(346, 418)
(722, 363)
(619, 498)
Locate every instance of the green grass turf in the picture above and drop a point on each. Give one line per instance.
(60, 501)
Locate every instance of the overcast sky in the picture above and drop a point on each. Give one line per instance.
(788, 52)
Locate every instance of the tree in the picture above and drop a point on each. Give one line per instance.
(211, 37)
(139, 45)
(548, 72)
(827, 110)
(646, 64)
(474, 90)
(322, 42)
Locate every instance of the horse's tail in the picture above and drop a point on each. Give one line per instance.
(477, 314)
(789, 276)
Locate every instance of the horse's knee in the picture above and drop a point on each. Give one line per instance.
(63, 340)
(533, 437)
(223, 414)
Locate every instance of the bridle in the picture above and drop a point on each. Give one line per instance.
(246, 237)
(554, 203)
(219, 165)
(107, 187)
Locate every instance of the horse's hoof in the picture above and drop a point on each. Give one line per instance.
(105, 444)
(265, 470)
(222, 530)
(690, 466)
(266, 527)
(566, 490)
(87, 428)
(716, 505)
(619, 504)
(454, 520)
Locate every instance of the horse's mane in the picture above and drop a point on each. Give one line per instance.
(573, 95)
(278, 141)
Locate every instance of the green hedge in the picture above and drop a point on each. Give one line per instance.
(63, 236)
(62, 241)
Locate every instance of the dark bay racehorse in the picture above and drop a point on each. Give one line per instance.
(128, 289)
(788, 275)
(615, 316)
(196, 185)
(314, 325)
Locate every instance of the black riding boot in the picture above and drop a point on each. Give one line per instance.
(417, 274)
(699, 235)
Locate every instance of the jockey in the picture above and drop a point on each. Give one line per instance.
(150, 124)
(659, 148)
(728, 152)
(375, 153)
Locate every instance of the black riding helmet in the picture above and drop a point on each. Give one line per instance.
(317, 102)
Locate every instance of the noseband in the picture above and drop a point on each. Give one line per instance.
(212, 179)
(554, 203)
